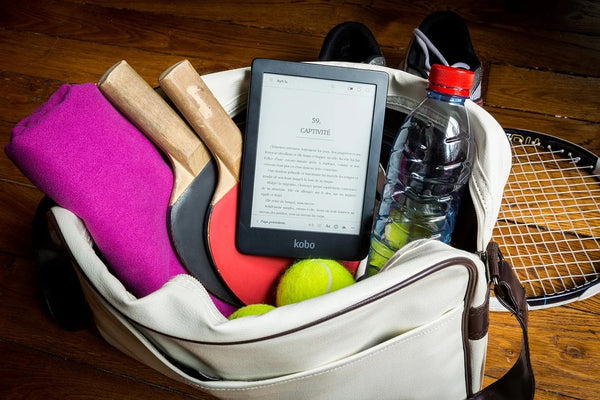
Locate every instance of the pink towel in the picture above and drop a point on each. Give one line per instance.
(80, 151)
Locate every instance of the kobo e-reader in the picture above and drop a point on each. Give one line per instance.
(310, 160)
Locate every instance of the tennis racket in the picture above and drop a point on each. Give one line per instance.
(549, 223)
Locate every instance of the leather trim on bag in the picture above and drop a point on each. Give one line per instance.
(472, 268)
(479, 319)
(519, 382)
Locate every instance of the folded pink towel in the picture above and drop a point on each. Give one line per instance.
(86, 156)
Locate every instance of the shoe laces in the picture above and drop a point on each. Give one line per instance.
(427, 46)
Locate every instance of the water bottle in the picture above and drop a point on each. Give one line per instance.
(429, 166)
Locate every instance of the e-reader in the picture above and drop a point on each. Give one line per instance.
(310, 160)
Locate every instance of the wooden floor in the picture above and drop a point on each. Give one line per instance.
(542, 72)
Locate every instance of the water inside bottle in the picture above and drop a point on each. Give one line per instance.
(427, 171)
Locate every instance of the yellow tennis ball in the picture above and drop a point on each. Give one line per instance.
(311, 278)
(396, 234)
(378, 256)
(252, 309)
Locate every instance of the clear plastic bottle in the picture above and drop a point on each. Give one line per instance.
(429, 166)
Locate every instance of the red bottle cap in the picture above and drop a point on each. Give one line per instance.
(450, 80)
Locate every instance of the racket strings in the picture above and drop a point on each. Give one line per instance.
(549, 267)
(549, 222)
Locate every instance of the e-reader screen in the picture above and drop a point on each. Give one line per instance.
(310, 160)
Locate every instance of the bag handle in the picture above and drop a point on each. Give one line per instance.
(519, 382)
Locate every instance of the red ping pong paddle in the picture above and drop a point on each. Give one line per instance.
(195, 171)
(252, 278)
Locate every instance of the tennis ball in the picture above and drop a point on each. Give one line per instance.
(396, 234)
(252, 309)
(378, 256)
(310, 278)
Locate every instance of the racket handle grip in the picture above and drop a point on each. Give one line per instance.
(196, 102)
(145, 108)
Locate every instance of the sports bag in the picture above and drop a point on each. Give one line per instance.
(417, 330)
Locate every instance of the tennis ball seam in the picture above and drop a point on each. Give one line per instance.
(330, 282)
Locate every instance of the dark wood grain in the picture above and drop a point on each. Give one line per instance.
(26, 312)
(583, 133)
(541, 73)
(18, 203)
(34, 374)
(544, 92)
(562, 357)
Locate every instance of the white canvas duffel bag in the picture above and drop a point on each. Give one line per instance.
(417, 330)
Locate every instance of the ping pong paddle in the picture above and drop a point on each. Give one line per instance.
(252, 278)
(195, 172)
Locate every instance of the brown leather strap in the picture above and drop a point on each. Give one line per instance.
(518, 383)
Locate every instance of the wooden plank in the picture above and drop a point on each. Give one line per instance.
(22, 94)
(564, 15)
(17, 207)
(577, 16)
(34, 374)
(566, 360)
(26, 324)
(183, 36)
(590, 305)
(583, 133)
(578, 55)
(189, 29)
(46, 58)
(19, 97)
(317, 16)
(392, 24)
(544, 92)
(514, 30)
(8, 171)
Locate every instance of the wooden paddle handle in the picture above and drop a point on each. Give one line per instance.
(196, 102)
(144, 107)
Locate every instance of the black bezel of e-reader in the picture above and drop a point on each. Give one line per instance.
(301, 243)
